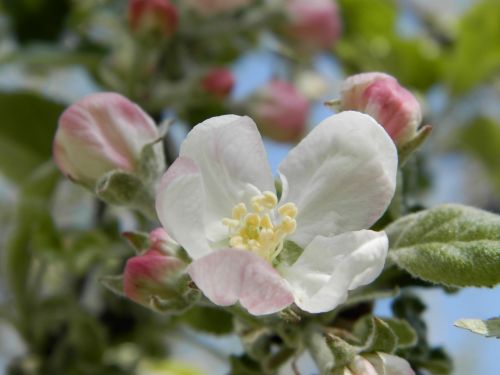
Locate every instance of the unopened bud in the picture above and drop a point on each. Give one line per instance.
(280, 111)
(157, 281)
(218, 82)
(384, 363)
(101, 133)
(380, 96)
(313, 23)
(146, 16)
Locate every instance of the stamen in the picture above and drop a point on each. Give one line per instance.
(255, 231)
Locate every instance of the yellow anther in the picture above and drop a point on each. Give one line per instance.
(254, 244)
(265, 222)
(231, 223)
(237, 241)
(269, 200)
(266, 235)
(239, 211)
(289, 225)
(252, 220)
(288, 209)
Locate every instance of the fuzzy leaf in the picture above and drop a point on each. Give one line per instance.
(138, 240)
(488, 328)
(407, 337)
(376, 334)
(451, 244)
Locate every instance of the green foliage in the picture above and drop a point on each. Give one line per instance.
(488, 328)
(209, 320)
(481, 138)
(370, 42)
(451, 244)
(475, 56)
(28, 125)
(376, 335)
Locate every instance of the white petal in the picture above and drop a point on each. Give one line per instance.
(330, 266)
(387, 364)
(180, 207)
(342, 176)
(229, 153)
(229, 275)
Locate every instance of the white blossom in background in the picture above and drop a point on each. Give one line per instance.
(218, 201)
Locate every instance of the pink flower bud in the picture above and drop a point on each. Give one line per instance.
(150, 276)
(100, 133)
(381, 96)
(314, 23)
(152, 15)
(218, 82)
(212, 7)
(162, 242)
(281, 111)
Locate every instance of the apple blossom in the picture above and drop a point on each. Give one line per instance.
(100, 133)
(313, 23)
(381, 96)
(218, 82)
(281, 111)
(149, 15)
(218, 201)
(386, 364)
(212, 7)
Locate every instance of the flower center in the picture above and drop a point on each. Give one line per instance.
(263, 228)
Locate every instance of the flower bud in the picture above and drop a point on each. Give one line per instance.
(101, 133)
(212, 7)
(162, 242)
(147, 16)
(381, 96)
(218, 82)
(280, 111)
(384, 363)
(313, 23)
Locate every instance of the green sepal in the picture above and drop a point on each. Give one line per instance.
(406, 149)
(376, 335)
(113, 284)
(138, 240)
(488, 328)
(121, 188)
(451, 244)
(343, 352)
(152, 158)
(210, 320)
(407, 337)
(289, 255)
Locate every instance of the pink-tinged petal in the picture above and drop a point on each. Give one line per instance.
(180, 205)
(232, 164)
(331, 266)
(99, 133)
(231, 275)
(388, 364)
(162, 242)
(341, 176)
(361, 366)
(219, 82)
(145, 275)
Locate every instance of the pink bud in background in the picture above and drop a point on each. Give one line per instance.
(212, 7)
(218, 82)
(281, 111)
(314, 23)
(149, 15)
(100, 133)
(162, 242)
(148, 276)
(381, 96)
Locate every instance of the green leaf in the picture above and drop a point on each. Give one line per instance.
(209, 320)
(376, 335)
(29, 122)
(451, 244)
(407, 337)
(290, 253)
(488, 328)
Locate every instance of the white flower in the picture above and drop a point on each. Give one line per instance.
(218, 201)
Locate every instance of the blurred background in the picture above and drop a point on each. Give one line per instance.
(189, 62)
